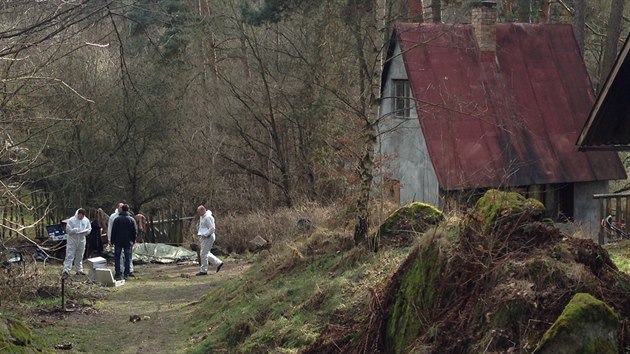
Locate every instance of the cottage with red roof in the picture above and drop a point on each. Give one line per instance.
(490, 105)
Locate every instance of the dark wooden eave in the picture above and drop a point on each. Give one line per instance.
(608, 125)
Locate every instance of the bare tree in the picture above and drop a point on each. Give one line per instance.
(414, 10)
(545, 11)
(35, 37)
(436, 11)
(580, 22)
(524, 11)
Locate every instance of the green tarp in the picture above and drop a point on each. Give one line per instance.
(159, 253)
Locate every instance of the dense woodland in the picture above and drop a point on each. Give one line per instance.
(239, 104)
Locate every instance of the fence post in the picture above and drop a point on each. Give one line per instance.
(617, 210)
(602, 216)
(21, 215)
(151, 231)
(180, 228)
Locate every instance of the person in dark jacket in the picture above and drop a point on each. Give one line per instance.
(95, 243)
(124, 233)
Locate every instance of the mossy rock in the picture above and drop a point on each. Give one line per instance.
(415, 296)
(16, 337)
(413, 217)
(495, 205)
(586, 326)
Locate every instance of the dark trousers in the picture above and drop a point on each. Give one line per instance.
(117, 251)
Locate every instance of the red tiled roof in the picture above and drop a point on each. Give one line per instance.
(505, 120)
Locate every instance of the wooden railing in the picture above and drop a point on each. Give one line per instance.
(617, 206)
(169, 227)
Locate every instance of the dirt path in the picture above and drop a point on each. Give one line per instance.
(160, 294)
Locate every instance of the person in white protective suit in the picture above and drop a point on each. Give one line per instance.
(77, 228)
(206, 239)
(109, 238)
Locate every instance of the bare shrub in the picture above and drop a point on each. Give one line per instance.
(278, 227)
(37, 281)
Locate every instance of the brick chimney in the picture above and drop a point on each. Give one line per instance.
(484, 21)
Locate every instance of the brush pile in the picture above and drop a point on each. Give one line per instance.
(496, 281)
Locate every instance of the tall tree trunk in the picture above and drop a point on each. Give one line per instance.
(204, 12)
(366, 167)
(415, 12)
(436, 11)
(508, 8)
(545, 11)
(243, 49)
(612, 38)
(369, 85)
(524, 10)
(580, 23)
(303, 143)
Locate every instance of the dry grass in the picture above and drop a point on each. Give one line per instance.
(306, 284)
(23, 283)
(620, 254)
(234, 231)
(329, 236)
(35, 284)
(303, 250)
(281, 226)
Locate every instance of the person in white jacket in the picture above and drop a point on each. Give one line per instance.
(77, 228)
(206, 239)
(110, 222)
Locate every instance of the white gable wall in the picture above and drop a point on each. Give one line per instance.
(403, 141)
(585, 208)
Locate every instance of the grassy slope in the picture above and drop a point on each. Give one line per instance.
(279, 304)
(620, 254)
(283, 302)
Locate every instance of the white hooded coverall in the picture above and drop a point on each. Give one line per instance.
(77, 230)
(110, 223)
(206, 239)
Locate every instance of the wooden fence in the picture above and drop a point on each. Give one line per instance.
(168, 227)
(13, 216)
(618, 207)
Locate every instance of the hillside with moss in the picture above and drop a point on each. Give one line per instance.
(288, 299)
(16, 337)
(493, 280)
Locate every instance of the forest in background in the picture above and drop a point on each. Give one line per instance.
(242, 105)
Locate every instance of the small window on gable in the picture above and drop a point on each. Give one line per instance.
(402, 99)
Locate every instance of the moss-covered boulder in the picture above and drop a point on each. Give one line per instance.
(492, 282)
(586, 326)
(492, 289)
(497, 205)
(416, 292)
(410, 219)
(16, 337)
